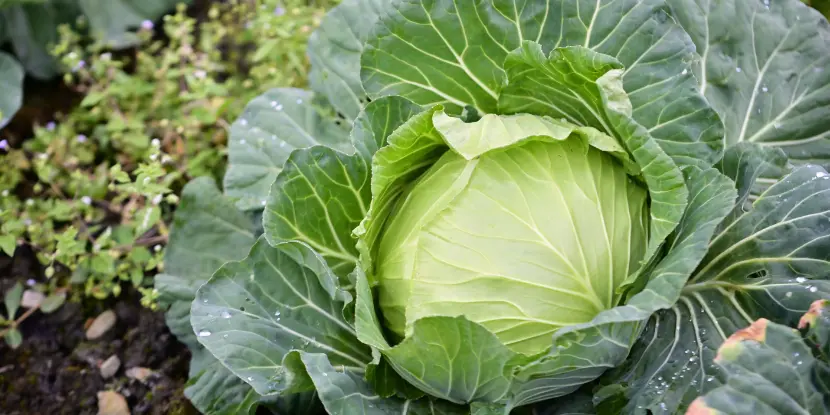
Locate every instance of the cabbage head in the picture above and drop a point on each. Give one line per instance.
(535, 233)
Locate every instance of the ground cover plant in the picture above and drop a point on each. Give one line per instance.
(106, 174)
(502, 206)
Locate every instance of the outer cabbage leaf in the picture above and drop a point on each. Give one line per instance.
(334, 51)
(322, 194)
(347, 393)
(11, 82)
(270, 128)
(213, 389)
(207, 231)
(113, 20)
(452, 53)
(32, 26)
(769, 369)
(276, 319)
(767, 259)
(577, 403)
(252, 313)
(763, 67)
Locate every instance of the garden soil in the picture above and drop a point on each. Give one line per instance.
(56, 369)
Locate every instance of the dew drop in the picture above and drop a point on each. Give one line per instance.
(738, 69)
(765, 89)
(821, 174)
(800, 280)
(299, 101)
(204, 333)
(242, 141)
(243, 122)
(225, 314)
(224, 336)
(693, 358)
(710, 378)
(325, 374)
(685, 71)
(277, 313)
(813, 289)
(250, 378)
(788, 294)
(278, 107)
(796, 354)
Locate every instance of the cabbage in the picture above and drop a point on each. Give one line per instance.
(473, 238)
(498, 206)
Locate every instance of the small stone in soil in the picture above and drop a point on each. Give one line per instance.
(100, 325)
(110, 366)
(141, 374)
(112, 403)
(31, 299)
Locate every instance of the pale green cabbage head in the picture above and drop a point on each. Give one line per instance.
(523, 240)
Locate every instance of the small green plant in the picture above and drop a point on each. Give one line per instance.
(92, 193)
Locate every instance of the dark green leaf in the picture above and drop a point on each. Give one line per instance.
(763, 67)
(11, 82)
(12, 300)
(207, 232)
(347, 393)
(334, 51)
(213, 389)
(270, 128)
(768, 370)
(452, 53)
(250, 314)
(768, 259)
(52, 302)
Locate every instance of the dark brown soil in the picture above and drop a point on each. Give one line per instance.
(55, 370)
